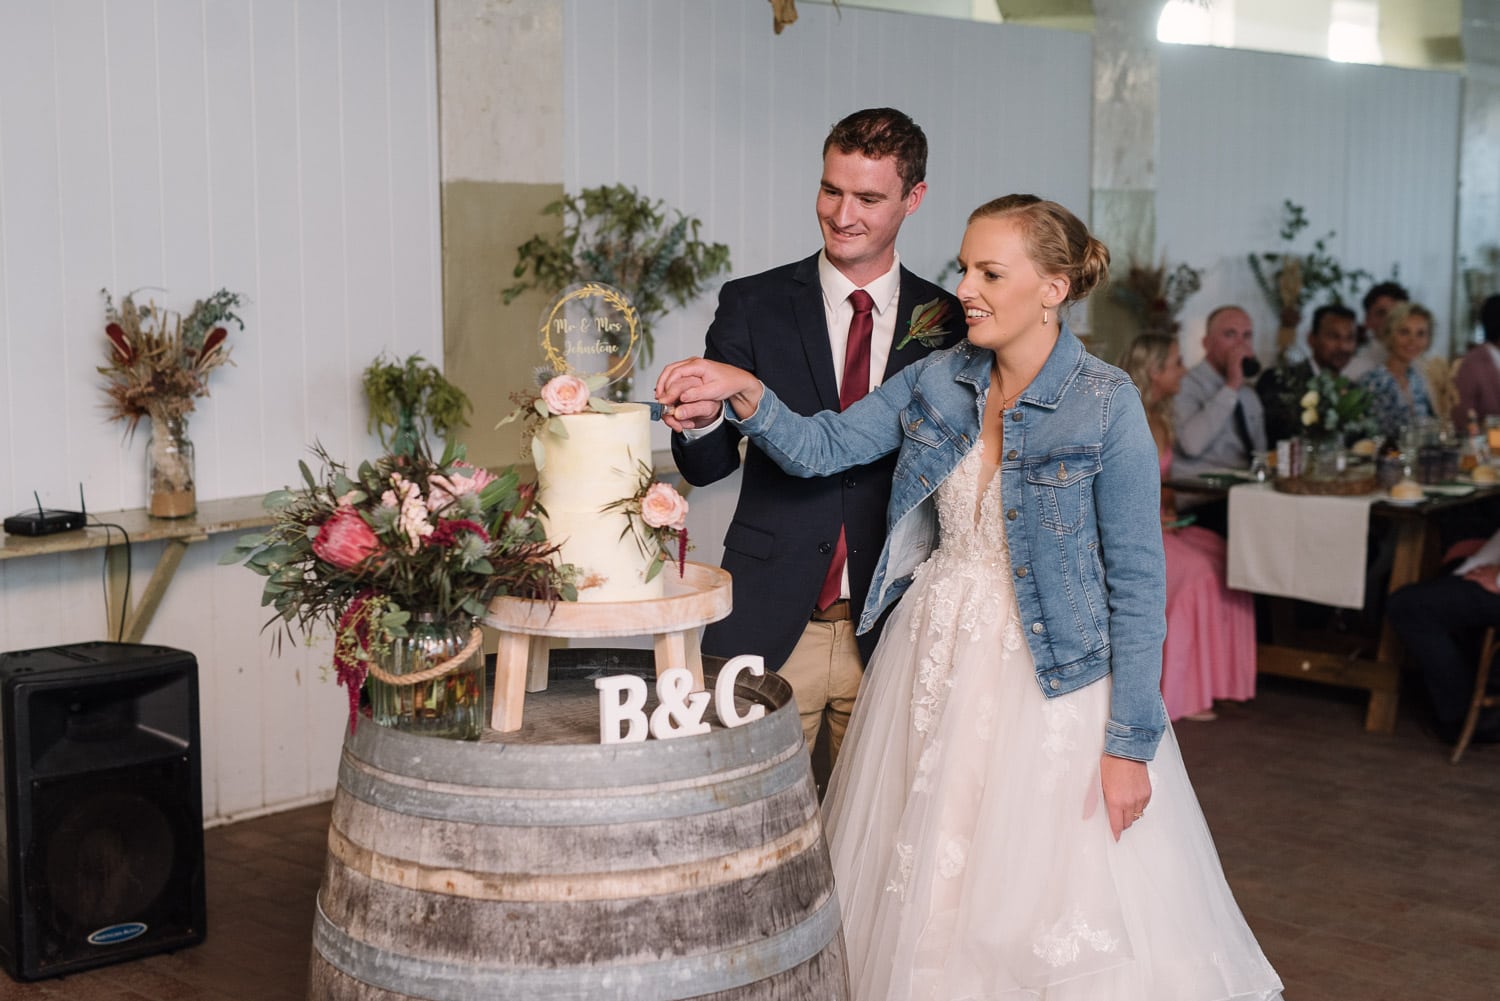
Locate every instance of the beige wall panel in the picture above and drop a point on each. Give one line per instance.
(490, 349)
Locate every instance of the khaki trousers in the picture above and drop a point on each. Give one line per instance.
(824, 671)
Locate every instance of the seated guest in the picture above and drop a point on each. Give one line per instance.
(1478, 377)
(1398, 389)
(1217, 419)
(1441, 622)
(1330, 343)
(1369, 352)
(1210, 649)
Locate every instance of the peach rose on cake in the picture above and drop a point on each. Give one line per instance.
(566, 394)
(663, 507)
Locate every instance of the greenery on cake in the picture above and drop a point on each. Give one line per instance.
(656, 515)
(556, 396)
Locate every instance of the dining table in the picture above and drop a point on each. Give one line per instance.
(1292, 547)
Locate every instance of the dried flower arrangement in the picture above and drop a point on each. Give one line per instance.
(160, 360)
(1291, 281)
(159, 364)
(1154, 294)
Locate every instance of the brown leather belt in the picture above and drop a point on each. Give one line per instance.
(836, 612)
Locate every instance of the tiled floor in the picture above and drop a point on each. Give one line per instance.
(1366, 865)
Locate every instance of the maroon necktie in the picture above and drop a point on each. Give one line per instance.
(855, 385)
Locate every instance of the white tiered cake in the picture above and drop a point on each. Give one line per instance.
(596, 465)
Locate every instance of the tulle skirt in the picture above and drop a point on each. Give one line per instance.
(971, 848)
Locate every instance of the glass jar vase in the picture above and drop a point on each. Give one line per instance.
(171, 492)
(449, 704)
(1324, 457)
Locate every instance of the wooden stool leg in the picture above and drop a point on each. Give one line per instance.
(510, 681)
(680, 649)
(1481, 682)
(538, 658)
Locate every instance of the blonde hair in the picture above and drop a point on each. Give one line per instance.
(1147, 354)
(1399, 314)
(1056, 241)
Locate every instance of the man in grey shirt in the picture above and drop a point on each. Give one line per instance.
(1216, 415)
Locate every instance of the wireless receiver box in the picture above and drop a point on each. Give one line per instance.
(44, 522)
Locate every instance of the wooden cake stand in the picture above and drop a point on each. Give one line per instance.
(700, 596)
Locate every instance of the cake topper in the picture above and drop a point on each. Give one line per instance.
(591, 329)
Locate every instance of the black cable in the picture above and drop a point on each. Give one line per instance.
(104, 572)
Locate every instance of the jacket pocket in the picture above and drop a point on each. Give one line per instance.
(747, 541)
(1062, 485)
(921, 432)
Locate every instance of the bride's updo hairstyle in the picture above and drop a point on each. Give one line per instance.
(1056, 240)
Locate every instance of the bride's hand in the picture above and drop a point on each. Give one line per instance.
(693, 388)
(1127, 790)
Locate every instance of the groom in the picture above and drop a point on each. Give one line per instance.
(821, 333)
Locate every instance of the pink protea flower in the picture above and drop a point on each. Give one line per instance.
(444, 490)
(345, 540)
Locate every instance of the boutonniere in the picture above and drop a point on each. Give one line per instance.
(926, 327)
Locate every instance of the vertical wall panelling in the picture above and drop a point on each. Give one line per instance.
(1370, 152)
(284, 149)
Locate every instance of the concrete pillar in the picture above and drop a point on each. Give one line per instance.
(1479, 161)
(1127, 79)
(500, 111)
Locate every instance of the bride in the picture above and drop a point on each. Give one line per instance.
(1010, 817)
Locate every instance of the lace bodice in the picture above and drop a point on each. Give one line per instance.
(964, 589)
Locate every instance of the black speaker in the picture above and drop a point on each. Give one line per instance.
(103, 806)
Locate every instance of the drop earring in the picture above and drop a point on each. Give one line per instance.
(1044, 316)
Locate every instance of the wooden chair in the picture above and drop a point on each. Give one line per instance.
(1482, 699)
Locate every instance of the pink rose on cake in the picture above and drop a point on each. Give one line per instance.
(663, 507)
(566, 394)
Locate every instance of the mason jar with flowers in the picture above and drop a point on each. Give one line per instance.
(158, 365)
(1334, 412)
(399, 558)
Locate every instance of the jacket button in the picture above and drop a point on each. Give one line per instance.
(1011, 514)
(1054, 684)
(1036, 627)
(849, 482)
(825, 547)
(1012, 454)
(1020, 571)
(1015, 415)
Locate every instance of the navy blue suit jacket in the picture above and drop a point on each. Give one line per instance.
(781, 541)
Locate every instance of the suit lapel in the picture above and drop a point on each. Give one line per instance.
(812, 330)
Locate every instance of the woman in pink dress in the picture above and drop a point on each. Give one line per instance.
(1210, 649)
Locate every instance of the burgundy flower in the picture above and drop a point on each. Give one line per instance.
(116, 334)
(345, 540)
(446, 532)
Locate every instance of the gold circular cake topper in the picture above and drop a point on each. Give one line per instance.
(591, 329)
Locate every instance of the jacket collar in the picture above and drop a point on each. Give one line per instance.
(1047, 389)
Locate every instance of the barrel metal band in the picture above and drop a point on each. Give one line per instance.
(668, 980)
(489, 805)
(626, 884)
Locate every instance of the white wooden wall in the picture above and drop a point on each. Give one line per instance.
(1370, 152)
(286, 150)
(698, 103)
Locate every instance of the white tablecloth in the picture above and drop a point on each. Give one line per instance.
(1298, 546)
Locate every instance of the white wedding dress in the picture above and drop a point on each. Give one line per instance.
(971, 848)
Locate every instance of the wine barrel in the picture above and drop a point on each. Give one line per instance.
(541, 864)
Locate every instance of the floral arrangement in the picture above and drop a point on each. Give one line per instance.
(1291, 281)
(402, 535)
(1155, 294)
(656, 515)
(558, 395)
(1331, 404)
(407, 397)
(159, 360)
(926, 326)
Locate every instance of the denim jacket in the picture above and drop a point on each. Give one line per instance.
(1080, 482)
